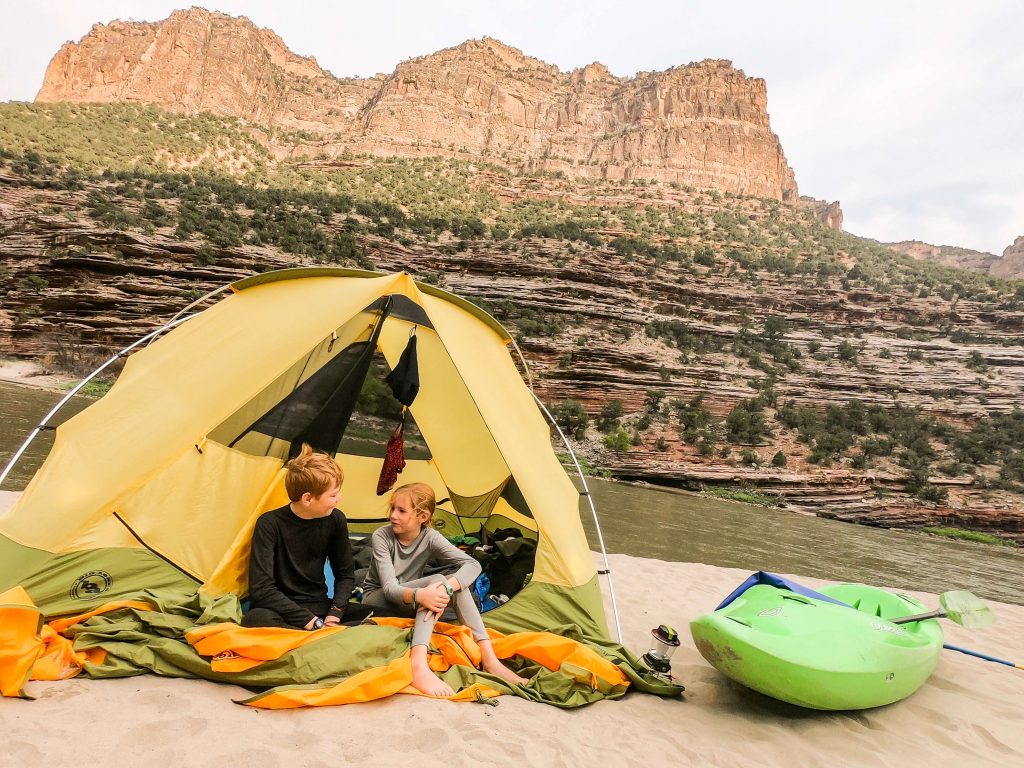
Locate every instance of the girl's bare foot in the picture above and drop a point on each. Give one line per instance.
(495, 667)
(423, 678)
(491, 663)
(425, 681)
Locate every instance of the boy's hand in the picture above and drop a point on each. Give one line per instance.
(332, 621)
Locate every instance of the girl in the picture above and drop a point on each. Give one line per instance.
(395, 582)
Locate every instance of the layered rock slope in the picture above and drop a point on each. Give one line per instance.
(703, 125)
(586, 318)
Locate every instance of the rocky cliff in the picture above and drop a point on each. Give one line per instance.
(829, 214)
(703, 125)
(1010, 265)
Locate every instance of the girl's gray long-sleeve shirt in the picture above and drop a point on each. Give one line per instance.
(395, 563)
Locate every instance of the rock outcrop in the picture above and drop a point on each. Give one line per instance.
(947, 255)
(703, 125)
(829, 214)
(198, 61)
(1011, 265)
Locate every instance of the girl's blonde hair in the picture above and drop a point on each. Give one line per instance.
(311, 472)
(421, 495)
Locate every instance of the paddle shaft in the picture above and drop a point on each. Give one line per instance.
(984, 656)
(938, 613)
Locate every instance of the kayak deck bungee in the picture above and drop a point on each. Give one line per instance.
(821, 654)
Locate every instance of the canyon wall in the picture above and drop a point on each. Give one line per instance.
(703, 125)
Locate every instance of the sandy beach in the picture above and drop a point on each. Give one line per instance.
(29, 373)
(967, 714)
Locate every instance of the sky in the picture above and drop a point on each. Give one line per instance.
(910, 113)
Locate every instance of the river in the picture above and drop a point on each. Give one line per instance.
(674, 525)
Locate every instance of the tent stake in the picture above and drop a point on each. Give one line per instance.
(44, 424)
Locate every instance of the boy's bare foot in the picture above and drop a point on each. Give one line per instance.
(425, 681)
(495, 667)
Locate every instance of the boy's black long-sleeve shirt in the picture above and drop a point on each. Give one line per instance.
(286, 565)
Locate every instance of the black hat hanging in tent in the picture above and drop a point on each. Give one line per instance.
(404, 381)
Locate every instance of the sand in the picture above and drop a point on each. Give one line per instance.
(968, 714)
(29, 373)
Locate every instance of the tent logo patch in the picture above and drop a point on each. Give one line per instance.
(91, 584)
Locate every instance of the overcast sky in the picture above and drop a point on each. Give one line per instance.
(910, 113)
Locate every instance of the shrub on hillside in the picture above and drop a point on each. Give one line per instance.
(571, 417)
(610, 415)
(619, 440)
(747, 424)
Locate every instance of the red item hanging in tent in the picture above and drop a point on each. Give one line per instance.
(394, 458)
(404, 381)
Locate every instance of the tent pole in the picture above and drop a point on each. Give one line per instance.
(593, 510)
(181, 312)
(44, 423)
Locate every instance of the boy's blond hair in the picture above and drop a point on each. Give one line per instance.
(311, 472)
(421, 495)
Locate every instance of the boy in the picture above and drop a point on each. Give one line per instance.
(287, 587)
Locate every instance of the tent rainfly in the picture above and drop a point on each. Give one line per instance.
(159, 483)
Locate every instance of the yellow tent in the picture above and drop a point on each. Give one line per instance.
(159, 483)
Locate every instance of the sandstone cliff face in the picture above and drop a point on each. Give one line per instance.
(704, 125)
(947, 255)
(196, 61)
(829, 214)
(1011, 265)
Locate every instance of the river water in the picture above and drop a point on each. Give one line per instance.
(673, 525)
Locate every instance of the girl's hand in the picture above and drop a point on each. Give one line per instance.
(434, 598)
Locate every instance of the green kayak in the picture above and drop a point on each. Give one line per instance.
(819, 654)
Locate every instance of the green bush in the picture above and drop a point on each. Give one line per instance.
(847, 352)
(619, 440)
(652, 401)
(571, 417)
(204, 256)
(749, 458)
(34, 283)
(747, 424)
(976, 362)
(698, 425)
(610, 416)
(744, 496)
(965, 535)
